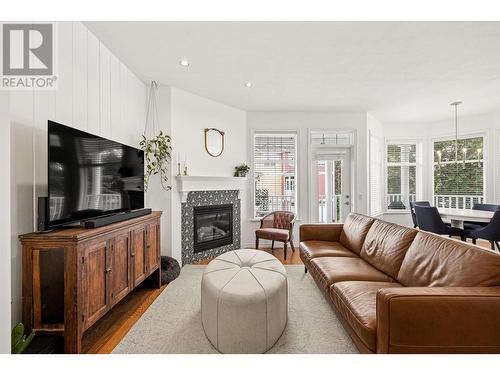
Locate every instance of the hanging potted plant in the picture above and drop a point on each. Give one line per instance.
(241, 170)
(155, 143)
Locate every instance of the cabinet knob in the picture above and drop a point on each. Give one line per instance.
(108, 269)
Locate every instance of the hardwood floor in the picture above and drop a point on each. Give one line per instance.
(106, 334)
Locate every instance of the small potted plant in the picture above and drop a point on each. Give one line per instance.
(241, 170)
(19, 340)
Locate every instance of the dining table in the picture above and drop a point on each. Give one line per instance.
(456, 216)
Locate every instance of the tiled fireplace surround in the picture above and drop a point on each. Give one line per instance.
(208, 198)
(202, 191)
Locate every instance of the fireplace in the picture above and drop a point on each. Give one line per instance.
(213, 227)
(204, 232)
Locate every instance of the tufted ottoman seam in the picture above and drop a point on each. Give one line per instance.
(267, 269)
(264, 290)
(220, 269)
(218, 301)
(225, 260)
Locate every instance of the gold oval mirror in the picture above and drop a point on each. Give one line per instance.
(214, 141)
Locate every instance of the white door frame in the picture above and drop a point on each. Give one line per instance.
(328, 150)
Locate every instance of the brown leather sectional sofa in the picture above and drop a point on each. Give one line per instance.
(400, 290)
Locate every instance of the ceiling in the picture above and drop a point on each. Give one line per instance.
(399, 71)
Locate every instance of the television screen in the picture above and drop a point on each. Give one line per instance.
(90, 176)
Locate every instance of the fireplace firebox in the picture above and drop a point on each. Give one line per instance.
(213, 227)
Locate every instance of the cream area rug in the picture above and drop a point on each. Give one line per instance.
(172, 324)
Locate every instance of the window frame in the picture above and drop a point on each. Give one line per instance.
(451, 137)
(418, 142)
(292, 132)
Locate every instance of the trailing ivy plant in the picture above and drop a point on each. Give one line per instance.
(157, 155)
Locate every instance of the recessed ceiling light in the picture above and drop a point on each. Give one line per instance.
(248, 84)
(184, 63)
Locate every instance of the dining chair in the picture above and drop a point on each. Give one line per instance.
(490, 232)
(485, 207)
(276, 226)
(412, 210)
(428, 219)
(476, 225)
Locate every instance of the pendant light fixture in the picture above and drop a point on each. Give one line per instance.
(464, 151)
(456, 104)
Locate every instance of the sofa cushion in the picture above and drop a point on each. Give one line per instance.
(354, 231)
(314, 249)
(329, 270)
(385, 246)
(356, 301)
(436, 261)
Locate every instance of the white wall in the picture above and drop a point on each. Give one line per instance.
(301, 123)
(156, 196)
(190, 115)
(96, 93)
(5, 294)
(374, 161)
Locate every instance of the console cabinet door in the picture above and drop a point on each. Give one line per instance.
(96, 267)
(153, 247)
(138, 256)
(120, 269)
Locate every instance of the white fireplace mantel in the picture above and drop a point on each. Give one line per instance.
(185, 184)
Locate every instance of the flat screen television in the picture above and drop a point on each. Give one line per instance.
(90, 176)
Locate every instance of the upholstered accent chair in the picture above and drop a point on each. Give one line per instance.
(276, 226)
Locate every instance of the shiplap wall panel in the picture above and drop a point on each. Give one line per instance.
(64, 92)
(124, 133)
(93, 84)
(105, 91)
(44, 109)
(115, 96)
(89, 96)
(139, 112)
(80, 77)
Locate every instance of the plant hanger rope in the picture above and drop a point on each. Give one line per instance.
(152, 112)
(155, 143)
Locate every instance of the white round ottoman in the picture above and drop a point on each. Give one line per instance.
(244, 301)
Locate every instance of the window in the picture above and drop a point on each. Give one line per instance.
(458, 185)
(401, 171)
(274, 170)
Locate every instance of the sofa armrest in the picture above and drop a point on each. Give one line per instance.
(438, 320)
(320, 232)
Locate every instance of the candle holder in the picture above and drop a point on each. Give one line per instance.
(185, 170)
(179, 169)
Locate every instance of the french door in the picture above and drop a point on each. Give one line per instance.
(330, 184)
